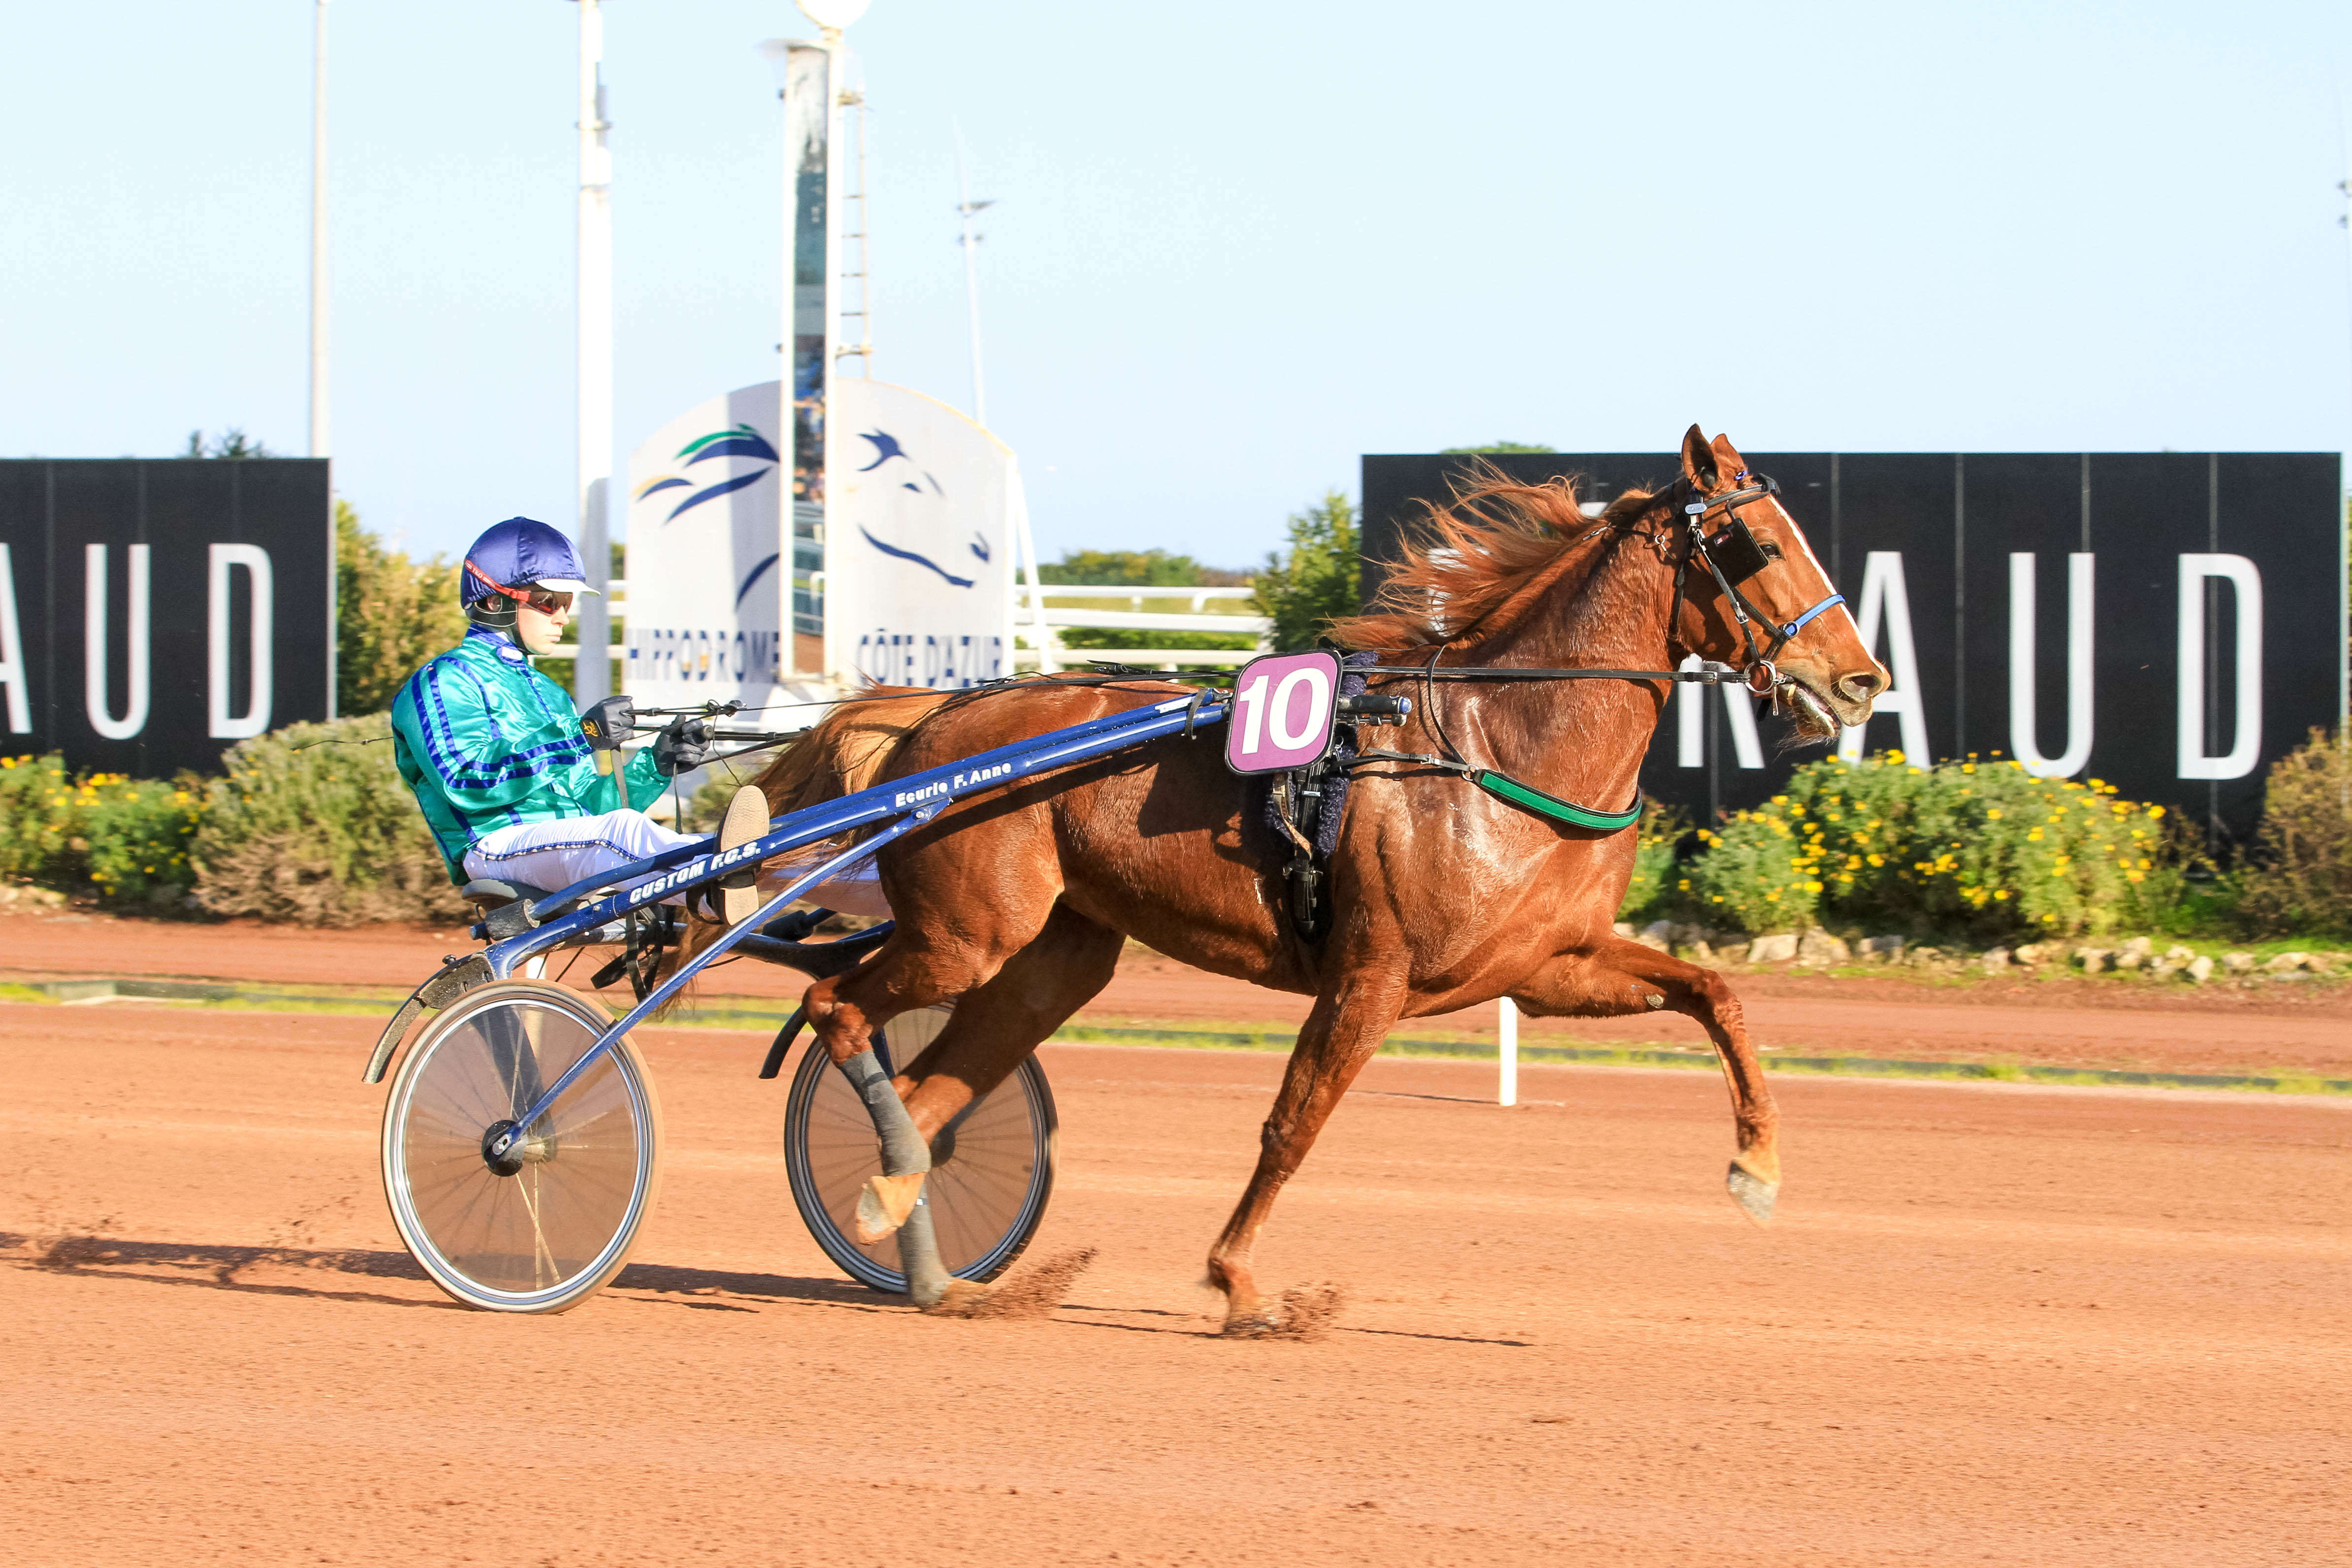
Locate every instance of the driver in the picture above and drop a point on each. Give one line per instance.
(495, 753)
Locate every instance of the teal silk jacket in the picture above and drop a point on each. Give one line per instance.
(486, 741)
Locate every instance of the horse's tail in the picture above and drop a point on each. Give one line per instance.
(842, 753)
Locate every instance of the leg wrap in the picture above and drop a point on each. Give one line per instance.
(904, 1153)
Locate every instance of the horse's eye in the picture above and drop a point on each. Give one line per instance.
(1771, 551)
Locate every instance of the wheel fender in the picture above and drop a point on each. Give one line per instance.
(455, 979)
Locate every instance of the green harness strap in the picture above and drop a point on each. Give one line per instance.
(1527, 798)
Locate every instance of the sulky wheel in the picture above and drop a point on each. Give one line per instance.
(543, 1227)
(991, 1168)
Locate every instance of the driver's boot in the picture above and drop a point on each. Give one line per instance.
(746, 820)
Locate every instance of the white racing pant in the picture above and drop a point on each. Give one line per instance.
(552, 855)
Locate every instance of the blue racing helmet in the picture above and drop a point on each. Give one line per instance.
(517, 555)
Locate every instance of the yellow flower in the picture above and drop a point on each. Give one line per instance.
(1993, 816)
(2034, 837)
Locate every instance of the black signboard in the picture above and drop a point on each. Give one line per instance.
(153, 613)
(2213, 640)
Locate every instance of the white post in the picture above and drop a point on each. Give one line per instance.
(592, 670)
(319, 230)
(966, 209)
(1507, 1043)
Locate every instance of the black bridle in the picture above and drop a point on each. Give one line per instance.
(1731, 558)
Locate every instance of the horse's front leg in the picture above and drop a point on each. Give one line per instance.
(1351, 1018)
(1621, 977)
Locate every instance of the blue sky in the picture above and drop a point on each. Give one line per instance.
(1237, 245)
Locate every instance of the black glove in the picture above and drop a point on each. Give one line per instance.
(683, 746)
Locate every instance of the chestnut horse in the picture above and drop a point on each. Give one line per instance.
(1442, 896)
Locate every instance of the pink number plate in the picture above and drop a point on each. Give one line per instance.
(1284, 709)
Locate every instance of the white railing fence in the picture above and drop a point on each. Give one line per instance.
(1043, 611)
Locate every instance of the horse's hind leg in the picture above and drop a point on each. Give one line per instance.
(940, 950)
(1624, 977)
(992, 1030)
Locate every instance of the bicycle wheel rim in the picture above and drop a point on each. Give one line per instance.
(987, 1196)
(549, 1235)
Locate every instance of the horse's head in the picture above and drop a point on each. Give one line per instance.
(1742, 552)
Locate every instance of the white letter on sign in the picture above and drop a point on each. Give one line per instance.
(12, 651)
(2246, 745)
(255, 719)
(2024, 732)
(1883, 597)
(93, 645)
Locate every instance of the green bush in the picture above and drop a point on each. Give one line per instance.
(1982, 848)
(313, 825)
(1648, 895)
(2301, 878)
(126, 839)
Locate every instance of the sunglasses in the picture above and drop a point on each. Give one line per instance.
(549, 603)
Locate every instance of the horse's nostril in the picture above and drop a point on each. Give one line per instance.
(1860, 686)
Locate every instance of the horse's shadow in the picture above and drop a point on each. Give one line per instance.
(218, 1266)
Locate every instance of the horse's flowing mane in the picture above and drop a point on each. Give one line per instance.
(1464, 563)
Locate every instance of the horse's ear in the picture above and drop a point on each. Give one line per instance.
(1698, 459)
(1727, 456)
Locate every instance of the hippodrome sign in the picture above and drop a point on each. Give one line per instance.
(2169, 622)
(1284, 709)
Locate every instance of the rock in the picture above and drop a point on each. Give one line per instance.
(1624, 928)
(2093, 960)
(1926, 954)
(1733, 953)
(2129, 958)
(2322, 963)
(1658, 934)
(2238, 963)
(2034, 953)
(1701, 953)
(1995, 961)
(2140, 945)
(1887, 948)
(1776, 949)
(2177, 954)
(2197, 970)
(2284, 963)
(1818, 947)
(2157, 968)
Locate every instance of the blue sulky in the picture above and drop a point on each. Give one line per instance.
(528, 1137)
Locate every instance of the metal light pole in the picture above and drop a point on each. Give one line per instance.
(319, 230)
(592, 670)
(966, 210)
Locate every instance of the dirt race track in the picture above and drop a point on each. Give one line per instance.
(1995, 1324)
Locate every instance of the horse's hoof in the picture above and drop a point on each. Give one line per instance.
(885, 1204)
(1752, 1193)
(1033, 1292)
(1306, 1315)
(961, 1298)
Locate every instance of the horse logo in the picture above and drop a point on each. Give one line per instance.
(740, 442)
(888, 449)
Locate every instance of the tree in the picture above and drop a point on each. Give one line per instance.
(392, 614)
(1491, 446)
(1143, 568)
(1318, 580)
(235, 442)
